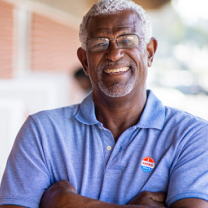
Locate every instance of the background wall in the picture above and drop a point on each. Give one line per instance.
(6, 39)
(38, 44)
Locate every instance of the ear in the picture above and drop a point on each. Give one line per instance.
(151, 48)
(81, 54)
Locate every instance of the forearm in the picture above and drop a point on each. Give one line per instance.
(71, 200)
(63, 195)
(190, 203)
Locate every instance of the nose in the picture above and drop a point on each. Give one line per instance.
(114, 53)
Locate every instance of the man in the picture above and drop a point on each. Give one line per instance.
(120, 147)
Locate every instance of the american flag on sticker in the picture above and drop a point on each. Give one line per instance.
(147, 164)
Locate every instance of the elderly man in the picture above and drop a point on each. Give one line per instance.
(120, 147)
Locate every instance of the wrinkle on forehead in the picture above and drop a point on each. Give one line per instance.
(107, 31)
(106, 24)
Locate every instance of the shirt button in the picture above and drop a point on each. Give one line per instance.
(100, 128)
(108, 148)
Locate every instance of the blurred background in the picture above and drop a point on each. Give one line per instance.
(39, 68)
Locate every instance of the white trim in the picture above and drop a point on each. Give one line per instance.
(22, 22)
(50, 12)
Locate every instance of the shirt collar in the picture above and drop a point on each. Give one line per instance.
(153, 115)
(86, 111)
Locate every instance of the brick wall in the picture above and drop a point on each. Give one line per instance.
(6, 40)
(53, 46)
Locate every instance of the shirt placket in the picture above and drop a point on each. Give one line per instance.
(113, 170)
(108, 142)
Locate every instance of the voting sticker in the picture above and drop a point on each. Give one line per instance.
(147, 164)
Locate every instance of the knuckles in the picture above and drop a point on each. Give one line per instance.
(149, 198)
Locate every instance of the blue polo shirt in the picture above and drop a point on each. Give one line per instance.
(166, 150)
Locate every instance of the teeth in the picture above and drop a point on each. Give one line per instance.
(108, 71)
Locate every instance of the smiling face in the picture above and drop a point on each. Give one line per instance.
(116, 72)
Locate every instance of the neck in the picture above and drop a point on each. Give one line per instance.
(118, 114)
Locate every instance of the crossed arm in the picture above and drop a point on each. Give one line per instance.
(64, 195)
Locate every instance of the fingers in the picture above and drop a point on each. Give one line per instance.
(158, 196)
(149, 199)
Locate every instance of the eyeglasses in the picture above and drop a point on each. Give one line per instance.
(123, 41)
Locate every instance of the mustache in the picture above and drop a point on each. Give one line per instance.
(116, 63)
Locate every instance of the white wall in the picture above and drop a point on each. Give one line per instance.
(28, 95)
(12, 115)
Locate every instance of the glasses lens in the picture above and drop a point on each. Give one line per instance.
(97, 44)
(128, 41)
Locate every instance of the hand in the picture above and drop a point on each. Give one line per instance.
(149, 199)
(55, 194)
(63, 195)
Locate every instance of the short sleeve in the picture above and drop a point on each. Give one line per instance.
(189, 175)
(26, 176)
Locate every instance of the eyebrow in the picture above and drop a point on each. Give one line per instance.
(106, 31)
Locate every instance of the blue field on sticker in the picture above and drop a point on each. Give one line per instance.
(146, 169)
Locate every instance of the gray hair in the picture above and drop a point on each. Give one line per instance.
(106, 7)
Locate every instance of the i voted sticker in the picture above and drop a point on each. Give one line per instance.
(147, 164)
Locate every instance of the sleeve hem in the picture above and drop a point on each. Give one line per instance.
(19, 202)
(177, 197)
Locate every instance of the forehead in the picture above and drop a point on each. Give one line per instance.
(123, 22)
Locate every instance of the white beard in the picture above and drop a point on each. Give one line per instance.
(117, 90)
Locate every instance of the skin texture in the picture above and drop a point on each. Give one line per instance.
(116, 113)
(149, 198)
(62, 194)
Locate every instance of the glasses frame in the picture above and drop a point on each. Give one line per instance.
(111, 39)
